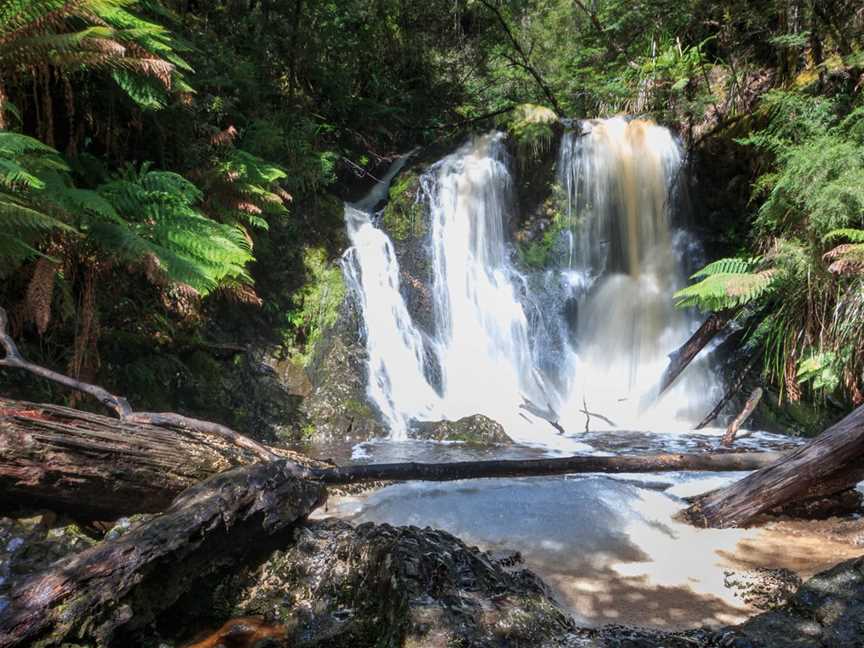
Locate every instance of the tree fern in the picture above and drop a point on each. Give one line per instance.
(29, 209)
(161, 220)
(727, 283)
(91, 36)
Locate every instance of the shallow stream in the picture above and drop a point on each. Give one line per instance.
(607, 545)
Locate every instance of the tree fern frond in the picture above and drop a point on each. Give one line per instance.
(722, 291)
(847, 259)
(733, 265)
(854, 235)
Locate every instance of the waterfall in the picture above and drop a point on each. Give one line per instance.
(621, 180)
(396, 367)
(593, 330)
(481, 330)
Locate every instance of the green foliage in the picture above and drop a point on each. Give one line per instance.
(161, 225)
(803, 301)
(531, 127)
(31, 208)
(403, 214)
(317, 304)
(90, 36)
(727, 283)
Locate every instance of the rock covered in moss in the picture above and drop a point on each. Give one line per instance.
(476, 429)
(378, 585)
(337, 407)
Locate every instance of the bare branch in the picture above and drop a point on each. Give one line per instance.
(118, 405)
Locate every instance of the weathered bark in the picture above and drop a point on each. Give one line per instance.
(102, 594)
(120, 405)
(830, 463)
(684, 355)
(747, 410)
(99, 467)
(536, 467)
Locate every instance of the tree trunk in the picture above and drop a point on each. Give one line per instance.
(734, 426)
(98, 467)
(727, 461)
(829, 464)
(683, 356)
(117, 587)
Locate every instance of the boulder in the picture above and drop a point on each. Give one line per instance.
(378, 585)
(476, 429)
(30, 543)
(827, 610)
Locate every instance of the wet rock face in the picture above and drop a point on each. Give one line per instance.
(476, 429)
(828, 610)
(337, 407)
(377, 585)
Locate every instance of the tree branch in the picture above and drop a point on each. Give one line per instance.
(525, 64)
(613, 48)
(118, 405)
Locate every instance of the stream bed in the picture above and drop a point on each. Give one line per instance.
(607, 545)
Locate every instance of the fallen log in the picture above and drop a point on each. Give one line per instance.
(105, 593)
(119, 405)
(684, 355)
(97, 467)
(720, 462)
(741, 419)
(831, 463)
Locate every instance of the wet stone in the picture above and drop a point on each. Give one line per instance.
(476, 429)
(378, 585)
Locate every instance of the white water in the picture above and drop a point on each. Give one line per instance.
(594, 328)
(621, 183)
(504, 347)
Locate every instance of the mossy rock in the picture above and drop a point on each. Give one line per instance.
(532, 127)
(476, 430)
(404, 215)
(378, 585)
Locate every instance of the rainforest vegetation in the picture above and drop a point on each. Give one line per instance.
(179, 180)
(171, 171)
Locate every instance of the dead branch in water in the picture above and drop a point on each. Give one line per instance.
(735, 425)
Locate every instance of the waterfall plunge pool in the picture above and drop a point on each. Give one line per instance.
(607, 545)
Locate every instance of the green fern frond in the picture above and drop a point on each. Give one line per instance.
(159, 218)
(733, 265)
(853, 235)
(721, 291)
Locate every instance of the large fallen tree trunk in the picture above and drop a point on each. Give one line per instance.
(97, 467)
(117, 587)
(719, 462)
(102, 468)
(831, 463)
(684, 355)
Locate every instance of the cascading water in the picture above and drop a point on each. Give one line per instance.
(596, 333)
(620, 180)
(590, 332)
